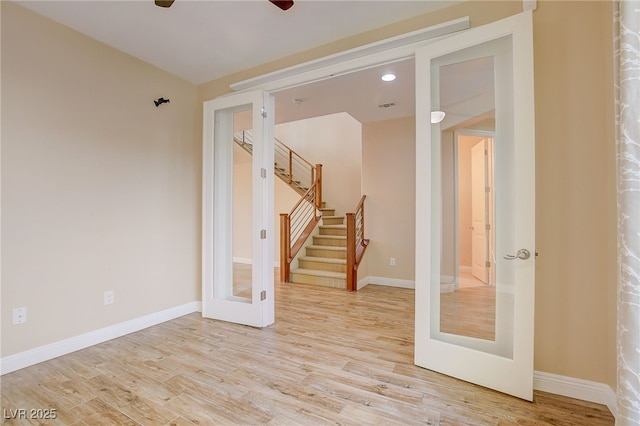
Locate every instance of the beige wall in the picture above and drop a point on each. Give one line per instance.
(335, 142)
(100, 189)
(389, 182)
(575, 190)
(74, 226)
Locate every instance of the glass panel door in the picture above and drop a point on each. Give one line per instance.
(238, 209)
(475, 206)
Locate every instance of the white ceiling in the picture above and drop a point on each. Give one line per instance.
(203, 40)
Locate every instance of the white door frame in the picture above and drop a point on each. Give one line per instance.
(490, 136)
(398, 50)
(218, 301)
(447, 353)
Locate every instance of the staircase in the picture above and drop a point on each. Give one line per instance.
(282, 173)
(288, 166)
(325, 262)
(333, 258)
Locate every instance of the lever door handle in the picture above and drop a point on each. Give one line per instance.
(522, 254)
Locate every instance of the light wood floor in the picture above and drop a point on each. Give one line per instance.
(332, 357)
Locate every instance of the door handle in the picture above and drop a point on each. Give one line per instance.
(522, 254)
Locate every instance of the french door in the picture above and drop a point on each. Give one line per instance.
(482, 79)
(237, 209)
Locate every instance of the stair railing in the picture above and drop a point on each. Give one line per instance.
(299, 173)
(304, 178)
(356, 244)
(292, 168)
(296, 226)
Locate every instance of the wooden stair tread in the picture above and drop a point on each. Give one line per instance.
(323, 259)
(317, 273)
(334, 248)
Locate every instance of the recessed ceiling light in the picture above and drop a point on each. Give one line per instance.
(388, 77)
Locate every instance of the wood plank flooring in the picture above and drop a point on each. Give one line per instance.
(332, 357)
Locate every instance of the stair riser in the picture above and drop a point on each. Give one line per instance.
(328, 212)
(333, 254)
(319, 241)
(333, 231)
(315, 280)
(333, 221)
(322, 266)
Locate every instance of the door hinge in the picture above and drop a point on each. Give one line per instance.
(263, 294)
(263, 112)
(487, 227)
(487, 189)
(487, 264)
(263, 173)
(263, 234)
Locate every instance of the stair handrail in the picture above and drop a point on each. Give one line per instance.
(296, 171)
(294, 160)
(356, 244)
(297, 225)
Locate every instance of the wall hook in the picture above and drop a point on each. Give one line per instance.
(161, 101)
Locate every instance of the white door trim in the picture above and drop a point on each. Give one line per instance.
(390, 50)
(217, 201)
(445, 353)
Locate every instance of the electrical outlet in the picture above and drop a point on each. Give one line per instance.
(392, 261)
(19, 315)
(108, 297)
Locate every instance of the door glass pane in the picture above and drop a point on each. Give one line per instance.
(242, 203)
(233, 259)
(471, 289)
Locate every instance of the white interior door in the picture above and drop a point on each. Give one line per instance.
(237, 209)
(479, 223)
(482, 79)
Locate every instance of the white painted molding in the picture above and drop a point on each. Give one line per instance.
(53, 350)
(248, 261)
(363, 283)
(584, 390)
(332, 65)
(390, 282)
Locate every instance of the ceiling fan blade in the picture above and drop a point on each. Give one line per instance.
(284, 5)
(164, 3)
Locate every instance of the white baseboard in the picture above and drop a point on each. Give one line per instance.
(391, 282)
(53, 350)
(363, 282)
(248, 261)
(584, 390)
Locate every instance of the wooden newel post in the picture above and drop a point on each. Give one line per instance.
(319, 187)
(352, 274)
(285, 238)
